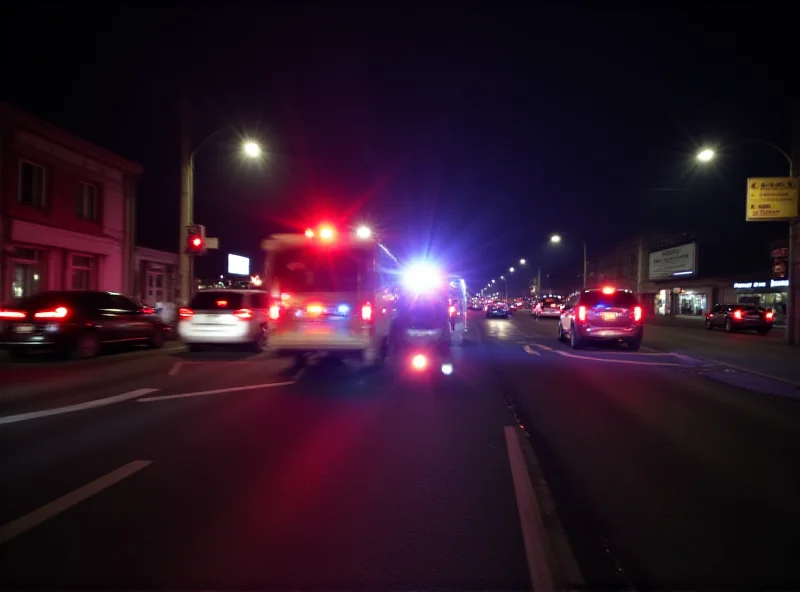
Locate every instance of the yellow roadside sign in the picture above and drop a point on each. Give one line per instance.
(771, 198)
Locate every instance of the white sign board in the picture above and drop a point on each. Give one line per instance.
(680, 261)
(238, 265)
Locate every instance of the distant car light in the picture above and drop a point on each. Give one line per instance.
(343, 309)
(363, 232)
(326, 233)
(447, 369)
(309, 233)
(315, 309)
(419, 362)
(609, 290)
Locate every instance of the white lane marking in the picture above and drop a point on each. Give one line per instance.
(39, 515)
(216, 391)
(77, 407)
(530, 516)
(616, 361)
(529, 350)
(544, 347)
(176, 367)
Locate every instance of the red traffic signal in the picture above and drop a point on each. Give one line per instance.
(196, 240)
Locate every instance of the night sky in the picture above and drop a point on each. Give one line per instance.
(468, 133)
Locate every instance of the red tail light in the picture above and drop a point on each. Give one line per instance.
(769, 315)
(274, 312)
(737, 314)
(148, 310)
(366, 312)
(12, 314)
(244, 313)
(582, 313)
(452, 310)
(419, 362)
(60, 312)
(185, 313)
(637, 313)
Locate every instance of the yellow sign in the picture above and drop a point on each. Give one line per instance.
(771, 198)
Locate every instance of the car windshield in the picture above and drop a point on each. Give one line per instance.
(316, 269)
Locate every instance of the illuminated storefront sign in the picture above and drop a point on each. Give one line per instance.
(751, 285)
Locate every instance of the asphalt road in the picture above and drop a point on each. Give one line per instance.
(332, 477)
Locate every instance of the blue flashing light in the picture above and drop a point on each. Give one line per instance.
(343, 309)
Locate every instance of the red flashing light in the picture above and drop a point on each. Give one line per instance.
(12, 314)
(185, 313)
(274, 312)
(222, 303)
(59, 312)
(197, 241)
(609, 290)
(309, 233)
(769, 315)
(737, 314)
(315, 309)
(452, 310)
(366, 312)
(637, 313)
(419, 362)
(326, 233)
(582, 313)
(244, 314)
(148, 310)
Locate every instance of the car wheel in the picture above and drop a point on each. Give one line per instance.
(561, 336)
(709, 326)
(728, 326)
(635, 344)
(156, 340)
(574, 341)
(87, 345)
(260, 343)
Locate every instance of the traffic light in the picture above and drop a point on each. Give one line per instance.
(196, 239)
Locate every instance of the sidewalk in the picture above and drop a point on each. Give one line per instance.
(768, 354)
(691, 323)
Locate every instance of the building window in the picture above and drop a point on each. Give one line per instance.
(26, 273)
(82, 268)
(86, 201)
(31, 184)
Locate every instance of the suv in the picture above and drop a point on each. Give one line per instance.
(604, 314)
(225, 317)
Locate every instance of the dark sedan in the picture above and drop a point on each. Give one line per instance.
(77, 324)
(497, 309)
(740, 317)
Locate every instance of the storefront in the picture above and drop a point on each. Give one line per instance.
(771, 294)
(691, 302)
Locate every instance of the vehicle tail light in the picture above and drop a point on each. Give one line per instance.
(582, 313)
(185, 313)
(637, 313)
(366, 312)
(244, 314)
(737, 314)
(452, 310)
(769, 315)
(419, 362)
(148, 310)
(60, 312)
(274, 312)
(315, 309)
(609, 290)
(222, 303)
(12, 314)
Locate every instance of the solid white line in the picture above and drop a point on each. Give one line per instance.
(77, 407)
(529, 350)
(530, 517)
(215, 391)
(541, 346)
(176, 367)
(615, 361)
(39, 515)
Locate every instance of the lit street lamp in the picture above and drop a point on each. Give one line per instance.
(250, 149)
(556, 239)
(706, 155)
(511, 269)
(522, 261)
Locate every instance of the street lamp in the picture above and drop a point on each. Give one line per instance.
(522, 261)
(250, 149)
(706, 155)
(556, 239)
(511, 269)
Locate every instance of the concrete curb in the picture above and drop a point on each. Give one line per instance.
(742, 369)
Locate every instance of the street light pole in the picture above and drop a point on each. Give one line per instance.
(584, 264)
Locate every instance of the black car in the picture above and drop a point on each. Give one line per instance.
(77, 323)
(740, 317)
(497, 309)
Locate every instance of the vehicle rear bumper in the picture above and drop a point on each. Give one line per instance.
(210, 334)
(303, 342)
(550, 313)
(610, 333)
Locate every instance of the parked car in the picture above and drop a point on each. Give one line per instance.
(740, 317)
(78, 323)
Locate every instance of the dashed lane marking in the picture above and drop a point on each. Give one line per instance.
(234, 389)
(57, 506)
(529, 350)
(176, 367)
(77, 407)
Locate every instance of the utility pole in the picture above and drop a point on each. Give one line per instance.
(187, 206)
(793, 300)
(585, 265)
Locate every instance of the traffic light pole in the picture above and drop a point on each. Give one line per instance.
(186, 266)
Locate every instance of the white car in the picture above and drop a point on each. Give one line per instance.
(548, 307)
(225, 317)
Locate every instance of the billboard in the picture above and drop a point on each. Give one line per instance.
(676, 261)
(238, 265)
(771, 198)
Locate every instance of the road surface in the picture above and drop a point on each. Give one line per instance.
(230, 470)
